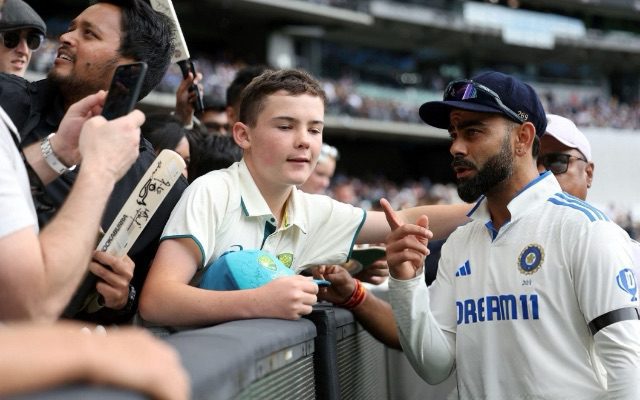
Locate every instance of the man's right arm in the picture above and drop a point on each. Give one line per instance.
(168, 299)
(429, 349)
(41, 272)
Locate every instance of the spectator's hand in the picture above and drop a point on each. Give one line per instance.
(406, 244)
(65, 141)
(136, 360)
(185, 98)
(376, 273)
(288, 297)
(342, 283)
(115, 275)
(111, 147)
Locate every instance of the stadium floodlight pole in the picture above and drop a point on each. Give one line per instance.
(181, 55)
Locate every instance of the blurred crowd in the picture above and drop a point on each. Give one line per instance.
(345, 98)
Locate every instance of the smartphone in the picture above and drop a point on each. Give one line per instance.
(124, 90)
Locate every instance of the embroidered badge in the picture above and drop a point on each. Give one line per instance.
(530, 259)
(267, 262)
(286, 258)
(627, 282)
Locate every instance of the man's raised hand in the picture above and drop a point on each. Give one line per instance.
(406, 244)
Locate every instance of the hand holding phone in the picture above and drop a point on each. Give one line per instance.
(124, 90)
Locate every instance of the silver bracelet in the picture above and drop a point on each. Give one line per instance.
(51, 158)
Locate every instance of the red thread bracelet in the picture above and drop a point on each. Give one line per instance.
(357, 296)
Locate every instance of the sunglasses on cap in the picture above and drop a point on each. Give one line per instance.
(557, 163)
(467, 89)
(11, 39)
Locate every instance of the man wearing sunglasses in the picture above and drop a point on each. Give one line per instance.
(537, 289)
(22, 32)
(566, 152)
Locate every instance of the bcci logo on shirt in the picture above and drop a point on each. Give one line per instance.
(530, 259)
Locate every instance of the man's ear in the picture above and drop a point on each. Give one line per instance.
(241, 135)
(589, 171)
(524, 138)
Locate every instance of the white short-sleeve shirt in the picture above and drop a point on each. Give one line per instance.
(16, 203)
(519, 300)
(224, 210)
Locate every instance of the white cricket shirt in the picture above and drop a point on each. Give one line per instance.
(224, 210)
(517, 301)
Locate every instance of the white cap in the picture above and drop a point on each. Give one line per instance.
(567, 133)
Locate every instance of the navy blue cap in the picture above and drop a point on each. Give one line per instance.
(514, 94)
(16, 14)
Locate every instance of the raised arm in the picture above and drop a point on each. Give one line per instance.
(443, 219)
(429, 349)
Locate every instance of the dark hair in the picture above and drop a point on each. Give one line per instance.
(241, 80)
(164, 131)
(213, 103)
(294, 82)
(147, 35)
(210, 152)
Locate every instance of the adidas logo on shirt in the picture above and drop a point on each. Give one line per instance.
(464, 270)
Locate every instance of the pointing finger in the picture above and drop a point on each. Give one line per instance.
(392, 217)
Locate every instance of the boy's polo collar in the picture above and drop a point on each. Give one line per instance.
(536, 191)
(254, 205)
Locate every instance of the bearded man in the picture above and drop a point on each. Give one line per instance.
(105, 35)
(537, 291)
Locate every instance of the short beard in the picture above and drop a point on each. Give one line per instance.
(74, 89)
(495, 171)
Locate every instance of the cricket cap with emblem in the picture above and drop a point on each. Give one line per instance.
(243, 269)
(567, 133)
(16, 14)
(489, 92)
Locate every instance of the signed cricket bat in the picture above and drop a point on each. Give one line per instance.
(181, 55)
(134, 215)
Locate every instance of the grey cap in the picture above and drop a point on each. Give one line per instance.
(16, 14)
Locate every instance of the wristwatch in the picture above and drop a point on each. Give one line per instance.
(51, 158)
(130, 300)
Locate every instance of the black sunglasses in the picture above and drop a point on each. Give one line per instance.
(11, 39)
(557, 163)
(467, 89)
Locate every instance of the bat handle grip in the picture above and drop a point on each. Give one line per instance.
(187, 66)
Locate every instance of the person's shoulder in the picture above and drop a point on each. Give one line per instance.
(567, 209)
(11, 80)
(16, 94)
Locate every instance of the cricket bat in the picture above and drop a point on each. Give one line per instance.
(134, 215)
(181, 55)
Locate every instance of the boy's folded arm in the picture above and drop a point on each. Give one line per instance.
(168, 299)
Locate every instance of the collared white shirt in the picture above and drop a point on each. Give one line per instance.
(516, 302)
(224, 210)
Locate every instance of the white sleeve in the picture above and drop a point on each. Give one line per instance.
(618, 346)
(428, 348)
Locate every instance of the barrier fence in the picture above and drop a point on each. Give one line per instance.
(325, 356)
